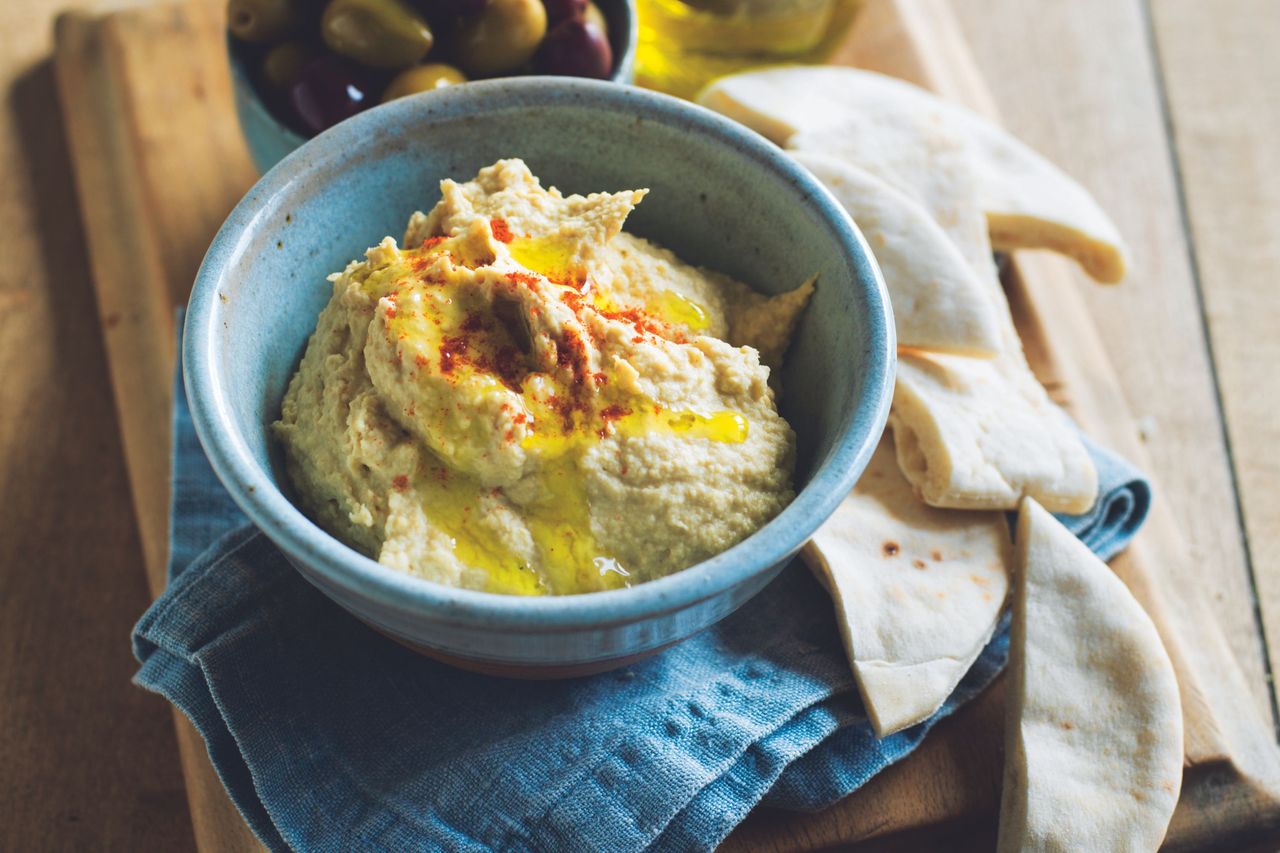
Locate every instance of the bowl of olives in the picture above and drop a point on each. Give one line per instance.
(298, 67)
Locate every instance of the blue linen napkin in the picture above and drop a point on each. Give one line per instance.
(330, 737)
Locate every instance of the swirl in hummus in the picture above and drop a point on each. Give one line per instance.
(526, 399)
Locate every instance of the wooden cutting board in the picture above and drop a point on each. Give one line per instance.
(159, 162)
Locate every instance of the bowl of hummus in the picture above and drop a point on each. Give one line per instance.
(538, 376)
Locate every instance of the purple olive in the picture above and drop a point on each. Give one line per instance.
(575, 48)
(559, 10)
(330, 89)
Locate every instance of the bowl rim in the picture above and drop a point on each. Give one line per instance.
(354, 573)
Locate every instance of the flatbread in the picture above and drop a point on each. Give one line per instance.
(969, 433)
(919, 156)
(918, 591)
(981, 434)
(940, 303)
(976, 433)
(1028, 201)
(1093, 733)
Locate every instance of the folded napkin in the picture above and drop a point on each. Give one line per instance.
(330, 737)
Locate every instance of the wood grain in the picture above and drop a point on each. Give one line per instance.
(1224, 111)
(158, 163)
(1072, 357)
(1103, 123)
(1064, 349)
(137, 319)
(87, 761)
(1224, 740)
(156, 175)
(166, 75)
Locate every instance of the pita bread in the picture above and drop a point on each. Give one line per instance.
(918, 591)
(1093, 733)
(939, 301)
(981, 434)
(918, 156)
(1028, 202)
(969, 433)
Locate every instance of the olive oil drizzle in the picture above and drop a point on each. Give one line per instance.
(558, 517)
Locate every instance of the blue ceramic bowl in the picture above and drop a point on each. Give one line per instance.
(270, 139)
(721, 196)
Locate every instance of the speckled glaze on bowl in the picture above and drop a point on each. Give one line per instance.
(721, 196)
(270, 139)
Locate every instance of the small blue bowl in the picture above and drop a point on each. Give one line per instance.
(721, 196)
(270, 139)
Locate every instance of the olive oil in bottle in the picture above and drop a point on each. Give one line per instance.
(685, 44)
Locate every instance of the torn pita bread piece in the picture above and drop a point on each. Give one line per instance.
(939, 302)
(918, 156)
(918, 591)
(1093, 732)
(981, 434)
(1028, 201)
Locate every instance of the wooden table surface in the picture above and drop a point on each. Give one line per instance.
(1169, 110)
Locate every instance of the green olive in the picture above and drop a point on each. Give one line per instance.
(378, 33)
(283, 64)
(595, 16)
(261, 20)
(422, 78)
(502, 37)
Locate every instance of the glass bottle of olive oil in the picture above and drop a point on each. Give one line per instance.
(684, 44)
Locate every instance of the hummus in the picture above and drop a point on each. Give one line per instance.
(525, 399)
